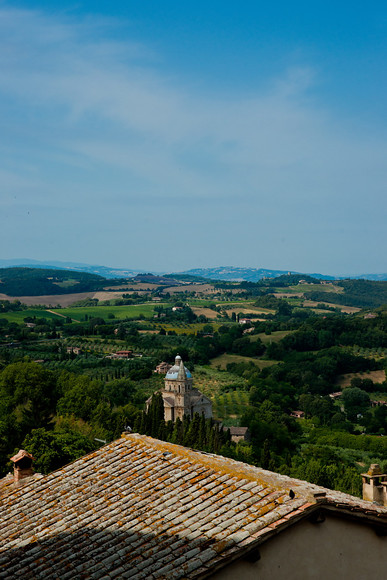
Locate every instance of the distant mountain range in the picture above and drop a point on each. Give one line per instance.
(230, 273)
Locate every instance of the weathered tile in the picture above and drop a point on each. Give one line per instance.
(125, 511)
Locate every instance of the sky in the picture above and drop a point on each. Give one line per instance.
(163, 136)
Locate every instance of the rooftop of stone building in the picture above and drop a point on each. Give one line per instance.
(173, 372)
(144, 508)
(237, 430)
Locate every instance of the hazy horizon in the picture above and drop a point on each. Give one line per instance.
(14, 262)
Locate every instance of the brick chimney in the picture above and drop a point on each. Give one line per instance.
(375, 485)
(22, 465)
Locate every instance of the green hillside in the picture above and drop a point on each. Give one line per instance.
(38, 281)
(360, 293)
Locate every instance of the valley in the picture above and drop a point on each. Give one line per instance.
(306, 377)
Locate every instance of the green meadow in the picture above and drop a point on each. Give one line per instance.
(20, 315)
(313, 288)
(275, 336)
(133, 311)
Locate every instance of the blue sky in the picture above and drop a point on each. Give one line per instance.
(170, 135)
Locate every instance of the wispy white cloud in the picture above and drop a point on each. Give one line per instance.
(86, 117)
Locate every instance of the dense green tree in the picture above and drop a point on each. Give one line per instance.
(356, 402)
(375, 421)
(318, 406)
(81, 395)
(120, 391)
(177, 434)
(323, 466)
(192, 434)
(265, 454)
(29, 392)
(53, 449)
(155, 416)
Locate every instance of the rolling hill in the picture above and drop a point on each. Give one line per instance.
(39, 281)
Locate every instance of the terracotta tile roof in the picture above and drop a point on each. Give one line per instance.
(142, 508)
(20, 455)
(7, 483)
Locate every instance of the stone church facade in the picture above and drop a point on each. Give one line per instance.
(180, 397)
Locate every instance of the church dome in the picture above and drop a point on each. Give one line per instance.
(174, 371)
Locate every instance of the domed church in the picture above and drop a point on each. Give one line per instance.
(180, 397)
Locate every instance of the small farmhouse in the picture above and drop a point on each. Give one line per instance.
(239, 434)
(162, 368)
(74, 350)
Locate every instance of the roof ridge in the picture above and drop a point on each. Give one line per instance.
(276, 480)
(130, 504)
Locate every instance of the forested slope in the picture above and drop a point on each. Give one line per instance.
(38, 281)
(361, 293)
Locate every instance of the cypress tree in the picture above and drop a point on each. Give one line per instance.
(156, 415)
(209, 436)
(211, 439)
(216, 439)
(177, 434)
(162, 431)
(265, 455)
(137, 424)
(144, 424)
(186, 424)
(192, 437)
(168, 430)
(202, 440)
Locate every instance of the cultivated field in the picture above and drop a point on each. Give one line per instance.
(50, 300)
(149, 331)
(228, 393)
(20, 315)
(229, 407)
(205, 312)
(221, 362)
(288, 294)
(199, 288)
(345, 309)
(132, 311)
(102, 296)
(375, 376)
(211, 381)
(273, 337)
(135, 287)
(185, 328)
(317, 288)
(248, 310)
